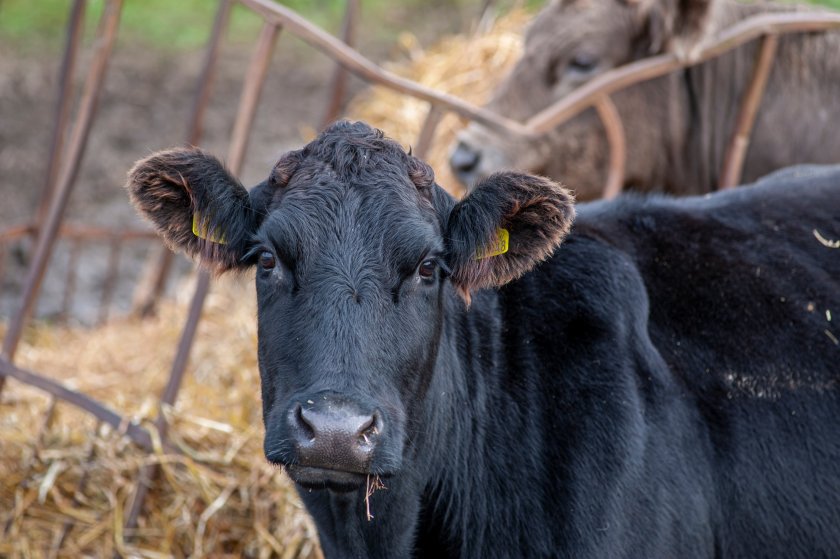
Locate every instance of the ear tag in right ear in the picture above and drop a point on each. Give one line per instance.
(499, 246)
(202, 233)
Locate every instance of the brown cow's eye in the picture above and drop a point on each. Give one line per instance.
(583, 63)
(267, 260)
(427, 268)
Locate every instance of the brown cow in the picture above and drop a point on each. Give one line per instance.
(678, 126)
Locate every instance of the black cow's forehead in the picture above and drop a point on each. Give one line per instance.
(380, 216)
(353, 190)
(309, 220)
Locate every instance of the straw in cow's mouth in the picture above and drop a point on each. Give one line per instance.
(373, 485)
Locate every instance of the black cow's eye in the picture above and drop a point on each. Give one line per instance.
(267, 260)
(427, 268)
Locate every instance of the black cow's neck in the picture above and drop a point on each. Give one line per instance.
(463, 410)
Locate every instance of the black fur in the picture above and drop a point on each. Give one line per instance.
(665, 385)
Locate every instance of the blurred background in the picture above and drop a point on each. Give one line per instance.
(67, 481)
(150, 87)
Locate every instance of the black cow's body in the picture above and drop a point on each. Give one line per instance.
(665, 385)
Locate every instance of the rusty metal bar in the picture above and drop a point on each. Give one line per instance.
(17, 231)
(152, 282)
(617, 140)
(84, 233)
(427, 132)
(81, 232)
(147, 299)
(179, 365)
(70, 281)
(121, 424)
(195, 127)
(75, 25)
(370, 72)
(110, 279)
(254, 80)
(736, 152)
(338, 83)
(78, 141)
(656, 66)
(147, 302)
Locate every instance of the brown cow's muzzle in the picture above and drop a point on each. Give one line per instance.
(464, 161)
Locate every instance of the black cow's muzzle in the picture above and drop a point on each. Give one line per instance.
(327, 440)
(324, 478)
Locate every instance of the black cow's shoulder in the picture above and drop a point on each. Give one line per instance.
(707, 328)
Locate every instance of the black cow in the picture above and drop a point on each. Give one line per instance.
(663, 385)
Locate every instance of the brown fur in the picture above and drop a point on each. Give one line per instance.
(678, 126)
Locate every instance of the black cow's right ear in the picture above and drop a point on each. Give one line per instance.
(195, 205)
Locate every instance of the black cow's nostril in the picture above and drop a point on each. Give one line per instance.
(370, 428)
(367, 426)
(464, 159)
(303, 423)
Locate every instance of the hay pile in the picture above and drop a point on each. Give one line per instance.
(467, 66)
(220, 498)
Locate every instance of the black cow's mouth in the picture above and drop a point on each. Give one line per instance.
(311, 477)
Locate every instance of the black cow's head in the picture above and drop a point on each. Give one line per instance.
(356, 250)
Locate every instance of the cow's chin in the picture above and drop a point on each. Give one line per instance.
(339, 481)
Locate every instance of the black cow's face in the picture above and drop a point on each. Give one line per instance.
(351, 265)
(356, 250)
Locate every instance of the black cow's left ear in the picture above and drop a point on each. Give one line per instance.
(508, 224)
(195, 205)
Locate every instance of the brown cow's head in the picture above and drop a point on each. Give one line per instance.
(569, 43)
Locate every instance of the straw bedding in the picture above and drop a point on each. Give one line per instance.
(219, 497)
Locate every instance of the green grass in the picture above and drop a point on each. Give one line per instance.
(167, 24)
(179, 24)
(185, 24)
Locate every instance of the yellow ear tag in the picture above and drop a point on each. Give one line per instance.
(497, 247)
(202, 233)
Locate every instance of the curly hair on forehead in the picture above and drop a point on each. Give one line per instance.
(353, 149)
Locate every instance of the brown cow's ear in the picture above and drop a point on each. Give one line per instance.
(508, 224)
(677, 26)
(195, 205)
